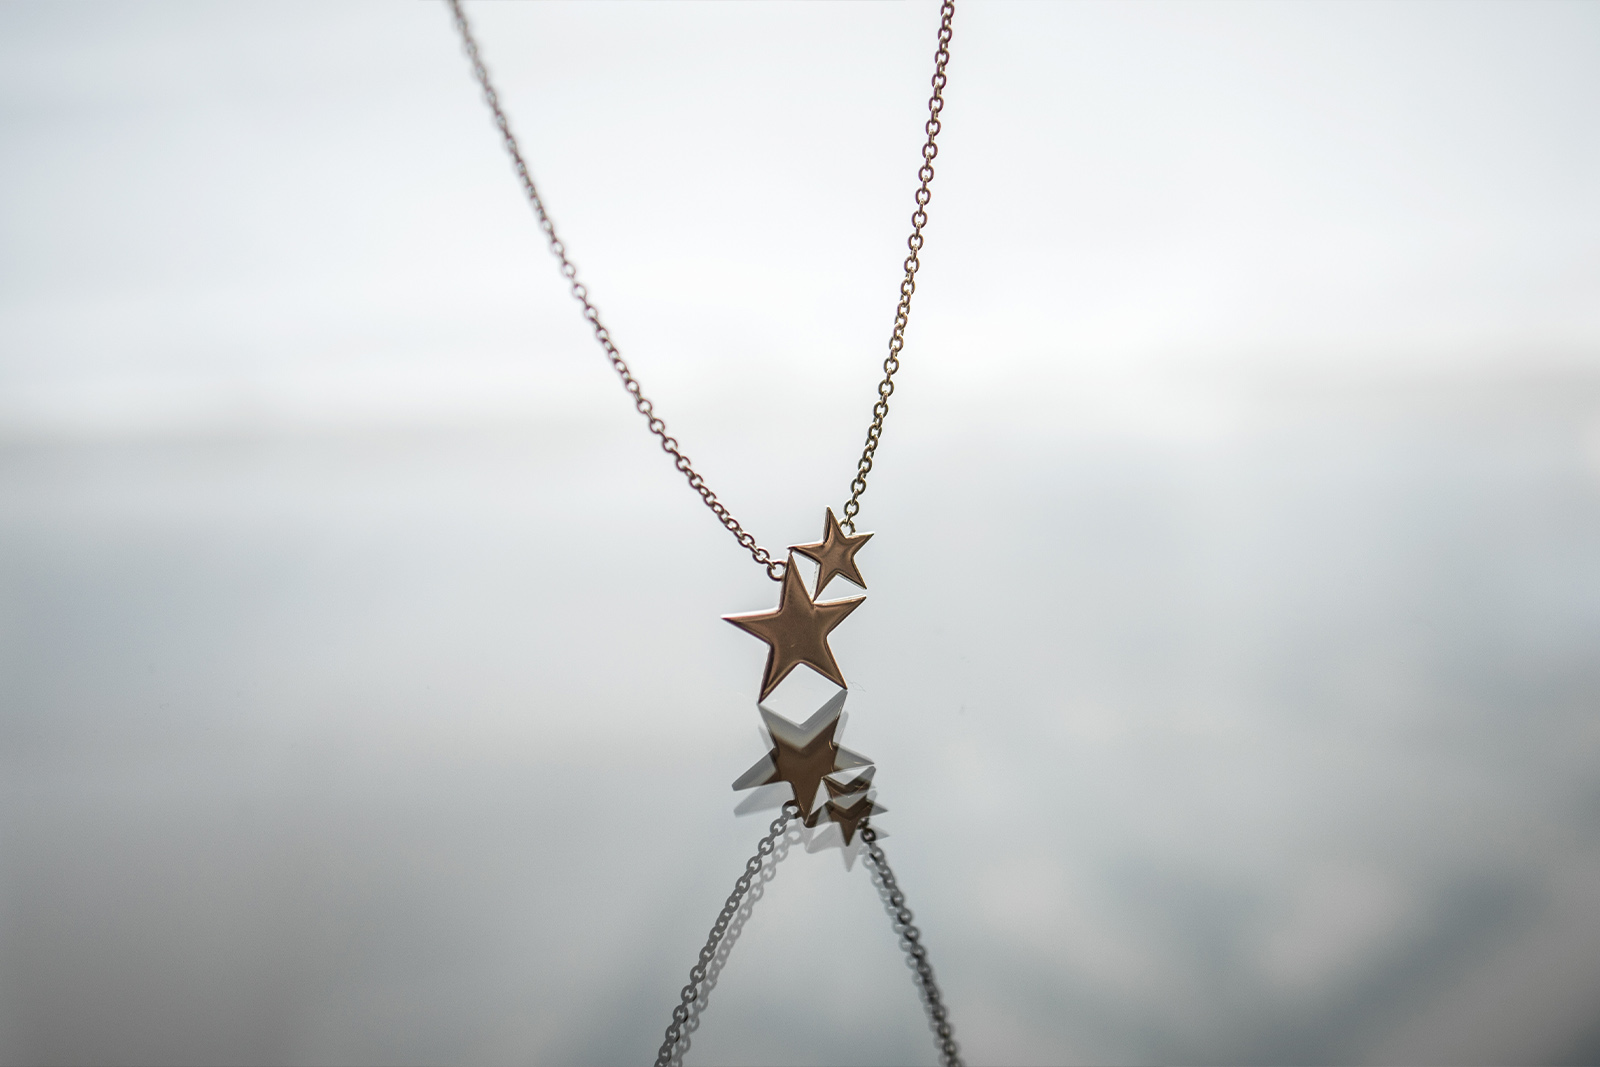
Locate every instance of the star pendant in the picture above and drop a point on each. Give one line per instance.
(835, 554)
(797, 632)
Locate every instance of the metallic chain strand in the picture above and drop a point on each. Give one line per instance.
(580, 292)
(911, 942)
(697, 973)
(902, 311)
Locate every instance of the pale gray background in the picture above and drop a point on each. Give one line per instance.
(1233, 647)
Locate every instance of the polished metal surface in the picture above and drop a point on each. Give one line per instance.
(835, 554)
(796, 632)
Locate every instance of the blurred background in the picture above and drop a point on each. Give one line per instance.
(1232, 651)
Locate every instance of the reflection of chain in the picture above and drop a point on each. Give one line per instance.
(580, 292)
(902, 311)
(697, 973)
(911, 941)
(769, 871)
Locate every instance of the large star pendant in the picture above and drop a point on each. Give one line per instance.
(797, 632)
(803, 754)
(835, 554)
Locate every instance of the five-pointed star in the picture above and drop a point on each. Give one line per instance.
(803, 754)
(797, 632)
(835, 554)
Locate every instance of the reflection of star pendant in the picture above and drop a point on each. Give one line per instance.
(835, 554)
(803, 754)
(797, 632)
(848, 816)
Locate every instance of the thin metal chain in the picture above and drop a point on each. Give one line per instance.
(697, 973)
(911, 942)
(580, 292)
(908, 285)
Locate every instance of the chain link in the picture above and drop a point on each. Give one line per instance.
(697, 973)
(580, 292)
(911, 942)
(908, 285)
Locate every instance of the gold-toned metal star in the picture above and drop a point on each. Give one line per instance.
(803, 754)
(797, 632)
(835, 554)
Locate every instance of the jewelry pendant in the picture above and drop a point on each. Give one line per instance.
(807, 756)
(835, 554)
(797, 632)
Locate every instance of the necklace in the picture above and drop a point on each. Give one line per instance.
(805, 756)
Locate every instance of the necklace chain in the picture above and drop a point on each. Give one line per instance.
(642, 403)
(908, 285)
(580, 292)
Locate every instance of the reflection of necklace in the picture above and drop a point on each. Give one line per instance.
(805, 757)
